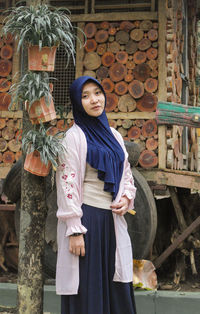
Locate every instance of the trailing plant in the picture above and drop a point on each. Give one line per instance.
(49, 146)
(41, 25)
(32, 87)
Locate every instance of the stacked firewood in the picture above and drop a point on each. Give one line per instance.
(6, 53)
(10, 140)
(123, 57)
(182, 150)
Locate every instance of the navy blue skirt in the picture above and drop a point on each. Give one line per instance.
(98, 293)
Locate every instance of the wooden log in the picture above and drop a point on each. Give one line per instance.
(141, 72)
(14, 145)
(130, 65)
(8, 157)
(101, 36)
(92, 61)
(134, 133)
(5, 100)
(144, 44)
(149, 128)
(139, 57)
(102, 72)
(121, 88)
(108, 59)
(90, 73)
(146, 25)
(18, 155)
(101, 49)
(108, 85)
(151, 144)
(117, 72)
(90, 45)
(8, 133)
(5, 67)
(136, 89)
(128, 78)
(127, 103)
(151, 85)
(112, 123)
(147, 103)
(152, 34)
(126, 26)
(122, 57)
(154, 73)
(148, 159)
(8, 39)
(152, 53)
(177, 114)
(2, 123)
(178, 83)
(127, 123)
(122, 131)
(122, 37)
(114, 47)
(6, 52)
(104, 25)
(111, 103)
(3, 145)
(90, 30)
(131, 47)
(136, 34)
(112, 31)
(4, 85)
(139, 122)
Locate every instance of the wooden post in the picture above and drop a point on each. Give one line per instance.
(32, 231)
(162, 92)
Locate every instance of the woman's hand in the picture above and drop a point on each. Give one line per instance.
(77, 245)
(122, 207)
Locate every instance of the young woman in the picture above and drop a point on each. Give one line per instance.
(95, 189)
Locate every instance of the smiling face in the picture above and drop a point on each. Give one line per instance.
(93, 99)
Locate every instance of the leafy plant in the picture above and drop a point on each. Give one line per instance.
(41, 25)
(32, 87)
(49, 146)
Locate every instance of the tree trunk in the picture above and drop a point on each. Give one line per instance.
(31, 244)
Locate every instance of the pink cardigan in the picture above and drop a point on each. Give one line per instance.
(69, 179)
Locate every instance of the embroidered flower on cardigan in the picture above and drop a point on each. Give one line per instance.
(69, 196)
(68, 180)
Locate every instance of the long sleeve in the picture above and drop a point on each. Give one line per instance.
(129, 189)
(69, 183)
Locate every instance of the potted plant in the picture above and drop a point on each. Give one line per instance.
(43, 28)
(35, 91)
(41, 150)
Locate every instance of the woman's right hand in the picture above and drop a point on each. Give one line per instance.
(77, 245)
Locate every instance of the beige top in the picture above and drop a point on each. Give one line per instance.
(93, 192)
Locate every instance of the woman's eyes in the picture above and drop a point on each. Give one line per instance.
(85, 96)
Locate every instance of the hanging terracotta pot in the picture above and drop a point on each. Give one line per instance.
(40, 111)
(41, 59)
(34, 165)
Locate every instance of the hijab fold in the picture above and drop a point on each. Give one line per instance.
(104, 152)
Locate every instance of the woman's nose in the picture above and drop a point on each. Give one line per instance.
(93, 98)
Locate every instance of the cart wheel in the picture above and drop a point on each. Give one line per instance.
(142, 226)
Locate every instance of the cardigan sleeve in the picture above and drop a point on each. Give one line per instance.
(68, 181)
(129, 188)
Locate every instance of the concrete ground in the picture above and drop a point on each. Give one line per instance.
(147, 302)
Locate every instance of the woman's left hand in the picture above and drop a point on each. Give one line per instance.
(121, 207)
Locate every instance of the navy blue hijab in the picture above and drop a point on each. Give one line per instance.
(104, 152)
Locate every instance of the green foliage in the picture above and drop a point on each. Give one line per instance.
(49, 146)
(41, 25)
(32, 87)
